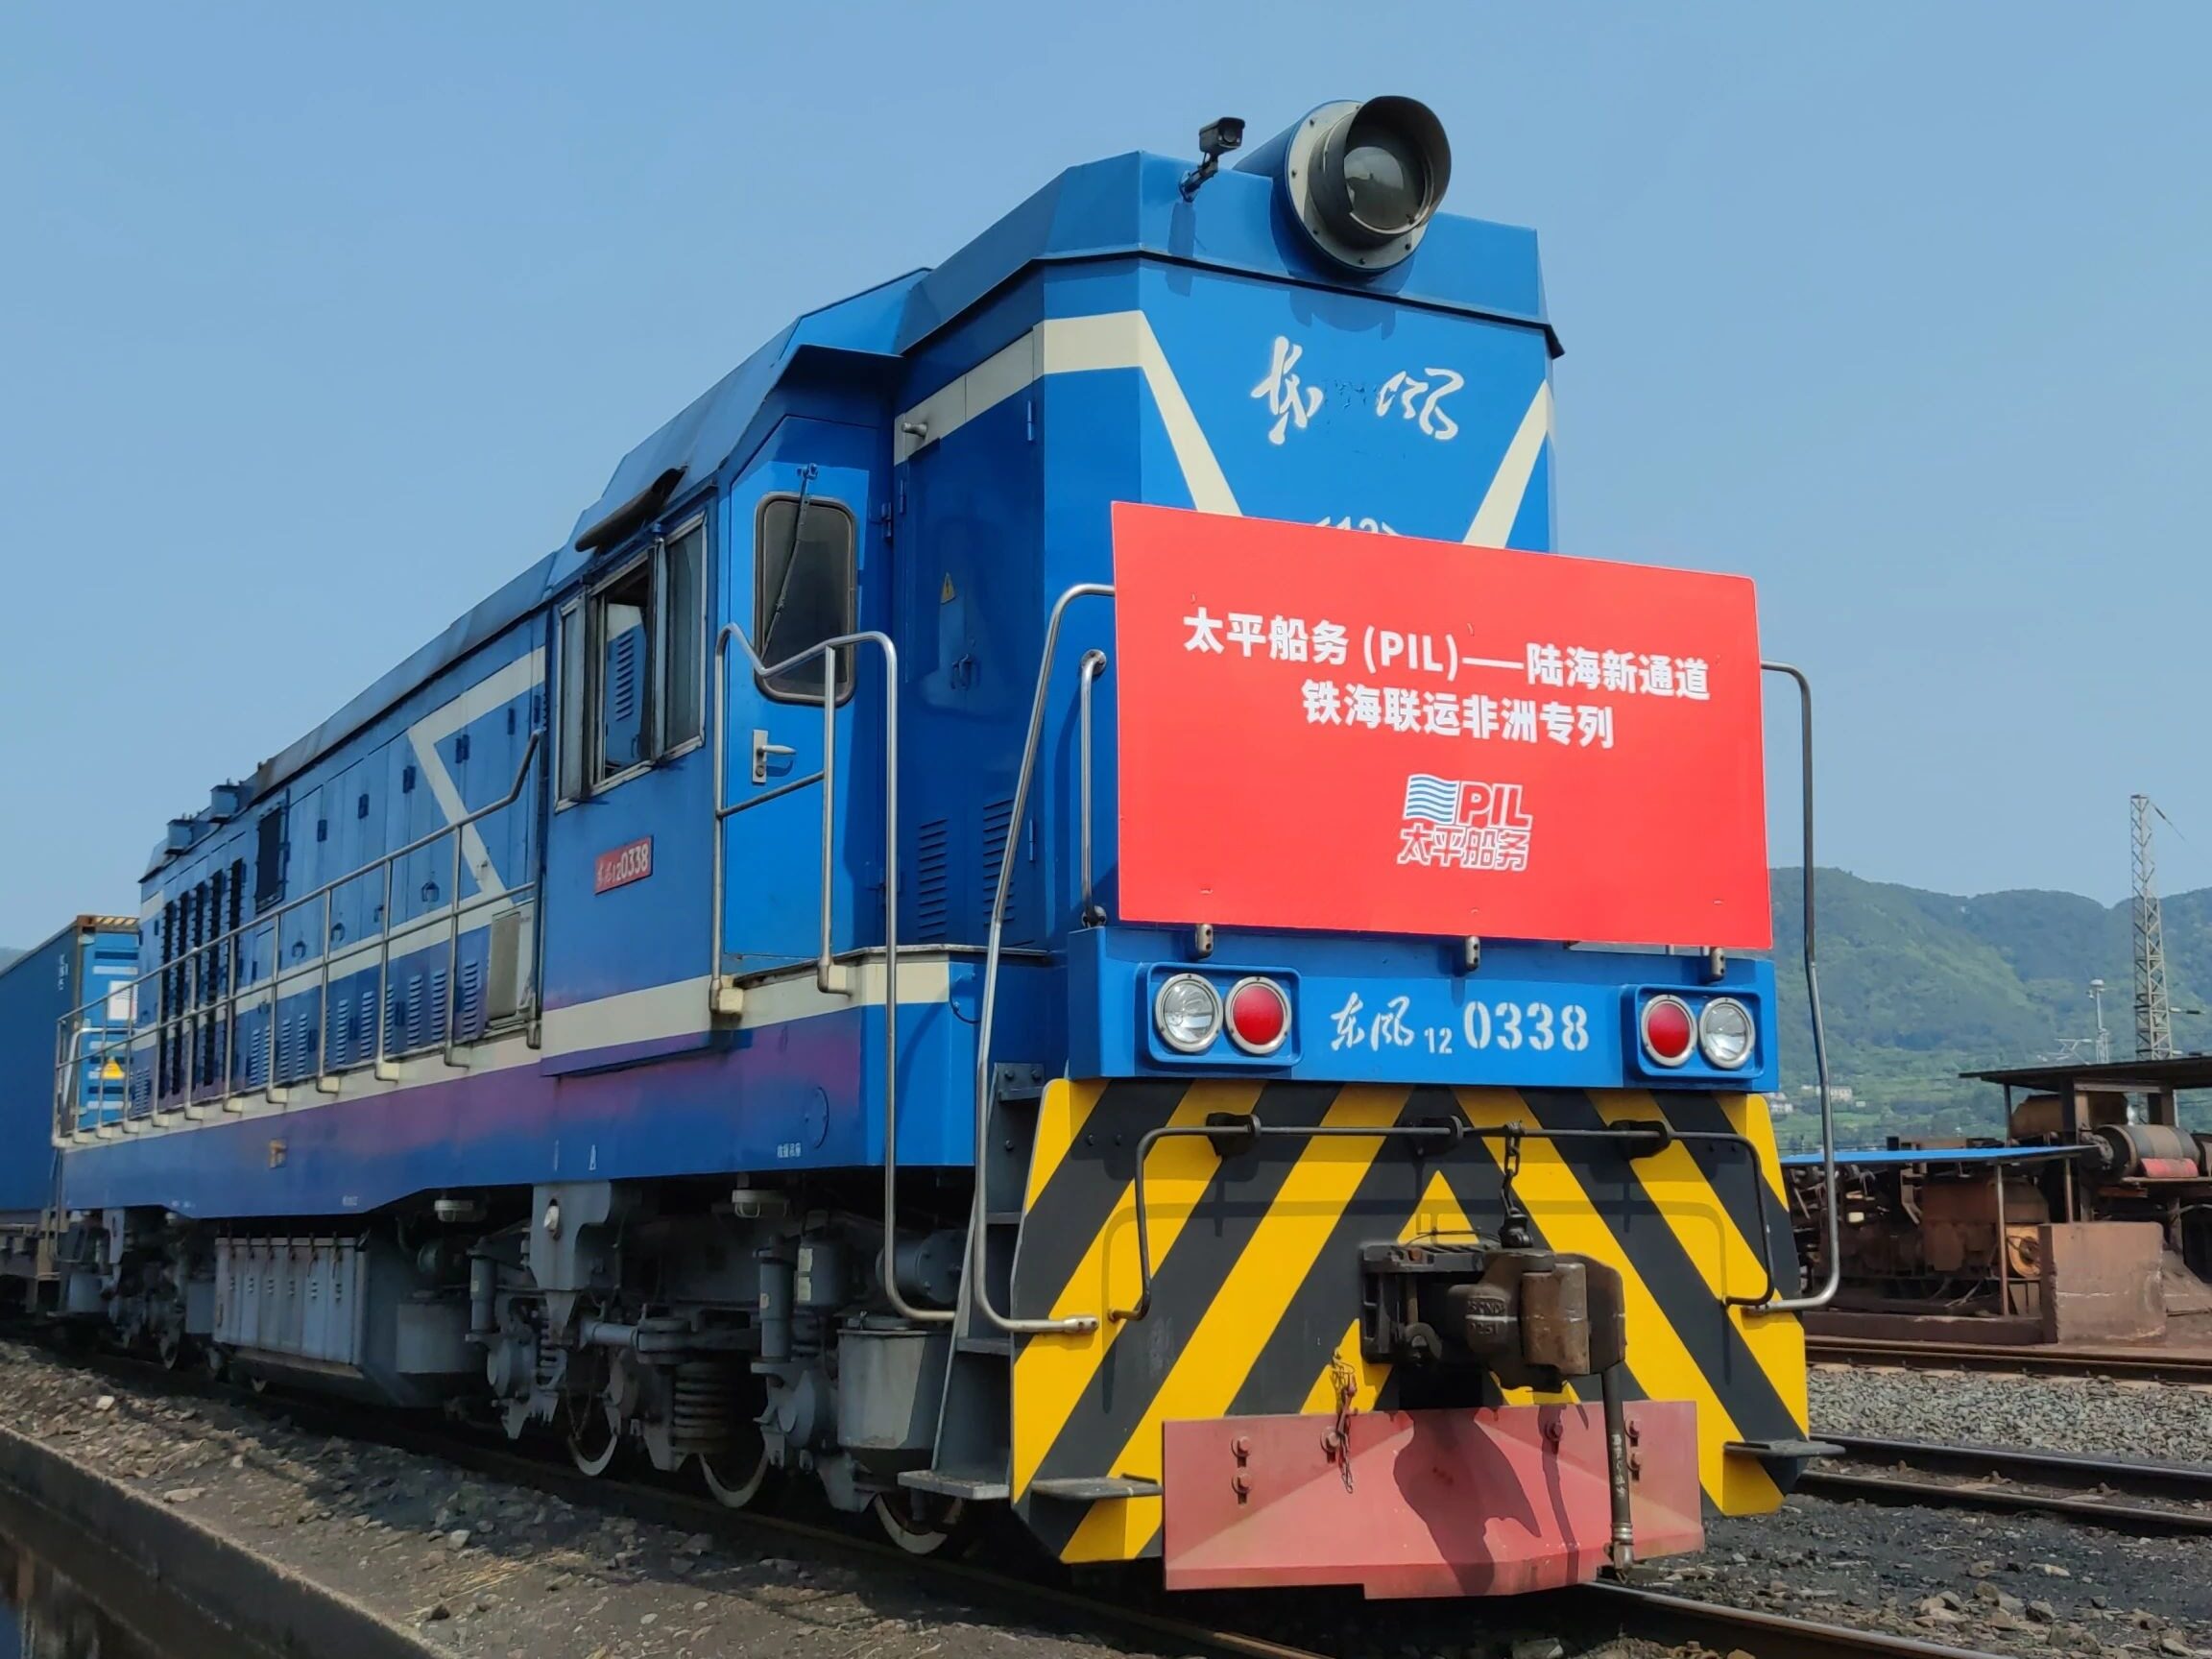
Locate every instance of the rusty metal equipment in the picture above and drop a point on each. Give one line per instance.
(2052, 1224)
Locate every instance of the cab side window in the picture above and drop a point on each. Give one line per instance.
(803, 590)
(631, 654)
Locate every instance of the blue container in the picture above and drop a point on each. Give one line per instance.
(82, 977)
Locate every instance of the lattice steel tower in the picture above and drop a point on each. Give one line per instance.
(2153, 1014)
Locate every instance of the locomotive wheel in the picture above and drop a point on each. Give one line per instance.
(740, 1476)
(595, 1439)
(895, 1512)
(170, 1351)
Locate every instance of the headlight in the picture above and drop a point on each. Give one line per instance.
(1188, 1013)
(1726, 1032)
(1381, 170)
(1363, 177)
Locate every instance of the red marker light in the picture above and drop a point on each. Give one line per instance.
(1669, 1030)
(1258, 1016)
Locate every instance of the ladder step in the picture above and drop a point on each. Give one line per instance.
(1001, 1345)
(1783, 1449)
(978, 1489)
(1003, 1218)
(1092, 1489)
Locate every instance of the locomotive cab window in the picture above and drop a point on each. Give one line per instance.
(803, 590)
(631, 654)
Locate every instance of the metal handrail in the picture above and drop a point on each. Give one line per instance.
(71, 1056)
(1087, 672)
(1653, 1135)
(272, 922)
(977, 1230)
(826, 965)
(1767, 1302)
(1832, 1249)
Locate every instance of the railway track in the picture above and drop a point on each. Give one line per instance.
(1214, 1624)
(1595, 1611)
(1592, 1612)
(2164, 1365)
(2151, 1500)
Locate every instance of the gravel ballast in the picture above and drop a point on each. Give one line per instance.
(1997, 1583)
(480, 1567)
(483, 1568)
(2148, 1421)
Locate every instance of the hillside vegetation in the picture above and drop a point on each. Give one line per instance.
(1920, 986)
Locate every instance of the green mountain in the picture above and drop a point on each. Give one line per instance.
(1917, 987)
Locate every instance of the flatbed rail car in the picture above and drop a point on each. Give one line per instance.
(52, 1062)
(977, 937)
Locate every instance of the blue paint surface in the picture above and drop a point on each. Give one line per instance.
(38, 991)
(1178, 353)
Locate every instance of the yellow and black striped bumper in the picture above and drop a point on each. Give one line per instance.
(1256, 1263)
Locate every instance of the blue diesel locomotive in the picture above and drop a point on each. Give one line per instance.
(685, 1006)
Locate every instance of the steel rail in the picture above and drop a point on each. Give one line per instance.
(1998, 1477)
(2007, 1499)
(1652, 1614)
(2171, 1365)
(2191, 1483)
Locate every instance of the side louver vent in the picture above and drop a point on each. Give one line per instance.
(468, 1014)
(932, 881)
(997, 822)
(622, 678)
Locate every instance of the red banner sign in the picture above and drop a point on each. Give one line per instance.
(1329, 729)
(623, 866)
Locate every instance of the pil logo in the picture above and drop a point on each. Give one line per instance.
(1457, 824)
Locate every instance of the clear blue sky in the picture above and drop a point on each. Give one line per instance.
(316, 324)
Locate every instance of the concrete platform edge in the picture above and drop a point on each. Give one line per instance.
(264, 1602)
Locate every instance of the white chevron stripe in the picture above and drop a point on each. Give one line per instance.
(1074, 345)
(1502, 502)
(1126, 340)
(493, 691)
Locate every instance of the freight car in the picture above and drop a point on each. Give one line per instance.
(992, 930)
(64, 1006)
(2091, 1217)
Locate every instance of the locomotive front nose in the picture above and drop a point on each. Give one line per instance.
(1364, 177)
